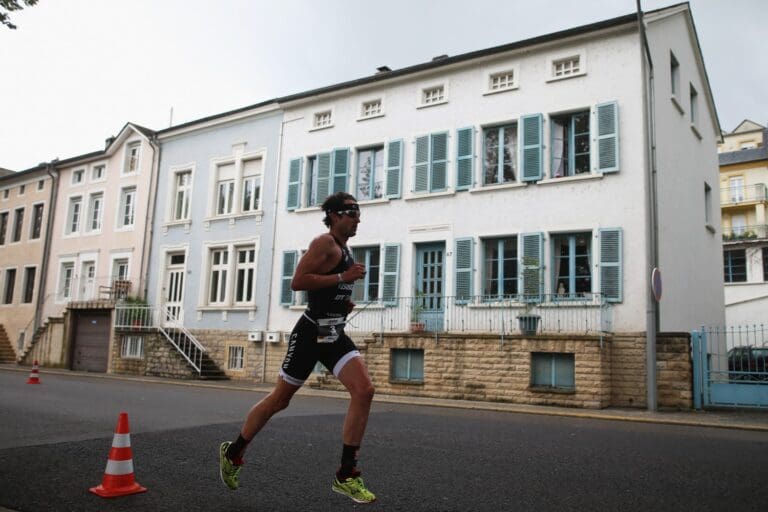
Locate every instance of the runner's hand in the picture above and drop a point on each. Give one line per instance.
(353, 273)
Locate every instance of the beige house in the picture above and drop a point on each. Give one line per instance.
(743, 200)
(25, 204)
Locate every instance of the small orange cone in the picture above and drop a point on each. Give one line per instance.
(118, 477)
(34, 376)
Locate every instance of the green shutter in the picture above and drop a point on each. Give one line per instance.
(390, 274)
(610, 264)
(608, 137)
(464, 250)
(531, 266)
(294, 184)
(531, 135)
(464, 158)
(340, 170)
(438, 161)
(394, 168)
(289, 266)
(323, 177)
(421, 174)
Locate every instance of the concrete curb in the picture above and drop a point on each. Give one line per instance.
(728, 419)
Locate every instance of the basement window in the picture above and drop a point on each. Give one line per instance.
(553, 371)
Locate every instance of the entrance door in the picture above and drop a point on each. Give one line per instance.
(87, 280)
(430, 283)
(91, 341)
(173, 292)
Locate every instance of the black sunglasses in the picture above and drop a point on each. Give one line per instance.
(352, 214)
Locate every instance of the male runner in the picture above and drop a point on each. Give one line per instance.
(327, 272)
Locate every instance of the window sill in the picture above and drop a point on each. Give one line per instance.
(370, 202)
(226, 308)
(677, 105)
(435, 104)
(124, 229)
(297, 307)
(547, 389)
(568, 179)
(499, 91)
(369, 117)
(320, 128)
(307, 209)
(696, 131)
(710, 228)
(566, 77)
(234, 217)
(494, 188)
(429, 195)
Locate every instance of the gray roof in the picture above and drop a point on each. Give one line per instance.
(745, 155)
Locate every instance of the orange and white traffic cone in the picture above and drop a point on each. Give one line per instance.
(34, 376)
(118, 477)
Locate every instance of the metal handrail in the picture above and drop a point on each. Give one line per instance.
(190, 348)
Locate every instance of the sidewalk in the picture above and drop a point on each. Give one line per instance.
(724, 418)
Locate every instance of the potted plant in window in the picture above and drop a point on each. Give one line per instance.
(417, 308)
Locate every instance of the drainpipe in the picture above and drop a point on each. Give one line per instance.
(148, 226)
(50, 169)
(652, 312)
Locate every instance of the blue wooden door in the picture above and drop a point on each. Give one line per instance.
(430, 284)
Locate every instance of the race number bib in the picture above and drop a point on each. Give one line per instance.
(329, 329)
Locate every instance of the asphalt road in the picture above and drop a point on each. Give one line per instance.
(55, 438)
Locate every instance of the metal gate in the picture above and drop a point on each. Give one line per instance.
(730, 366)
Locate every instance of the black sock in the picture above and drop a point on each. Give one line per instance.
(348, 462)
(237, 449)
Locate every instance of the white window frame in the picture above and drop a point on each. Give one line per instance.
(231, 247)
(222, 272)
(322, 119)
(122, 212)
(235, 357)
(236, 209)
(425, 93)
(381, 175)
(77, 172)
(118, 259)
(512, 85)
(132, 347)
(128, 158)
(247, 267)
(577, 53)
(92, 197)
(257, 181)
(367, 113)
(185, 190)
(94, 167)
(65, 264)
(68, 222)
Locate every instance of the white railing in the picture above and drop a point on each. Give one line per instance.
(82, 288)
(577, 314)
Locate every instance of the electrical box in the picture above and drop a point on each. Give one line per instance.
(255, 336)
(273, 337)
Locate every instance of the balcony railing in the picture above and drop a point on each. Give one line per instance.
(82, 288)
(752, 232)
(743, 194)
(571, 314)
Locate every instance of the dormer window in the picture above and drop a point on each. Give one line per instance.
(323, 119)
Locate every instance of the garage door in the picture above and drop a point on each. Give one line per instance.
(91, 349)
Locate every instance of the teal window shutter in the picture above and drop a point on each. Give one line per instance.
(289, 266)
(438, 161)
(340, 170)
(394, 168)
(531, 265)
(390, 274)
(531, 135)
(421, 174)
(608, 137)
(323, 177)
(611, 274)
(464, 158)
(294, 184)
(464, 250)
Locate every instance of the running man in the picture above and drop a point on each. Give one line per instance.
(327, 272)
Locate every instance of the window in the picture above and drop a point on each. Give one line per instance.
(738, 225)
(371, 109)
(502, 81)
(97, 172)
(735, 264)
(370, 173)
(73, 215)
(367, 288)
(572, 255)
(37, 222)
(765, 263)
(5, 193)
(566, 67)
(235, 357)
(500, 268)
(694, 105)
(132, 347)
(131, 164)
(95, 207)
(77, 176)
(251, 185)
(127, 214)
(433, 95)
(120, 269)
(431, 163)
(10, 284)
(22, 189)
(570, 144)
(218, 284)
(500, 154)
(553, 370)
(736, 188)
(674, 69)
(407, 365)
(41, 185)
(3, 227)
(312, 163)
(323, 119)
(18, 221)
(29, 285)
(182, 195)
(245, 272)
(225, 188)
(707, 204)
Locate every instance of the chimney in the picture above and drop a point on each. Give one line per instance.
(439, 57)
(108, 141)
(382, 69)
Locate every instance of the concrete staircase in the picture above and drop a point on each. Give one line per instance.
(7, 354)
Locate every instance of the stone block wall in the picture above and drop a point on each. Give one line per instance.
(160, 358)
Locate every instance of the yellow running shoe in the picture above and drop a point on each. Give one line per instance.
(355, 489)
(227, 470)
